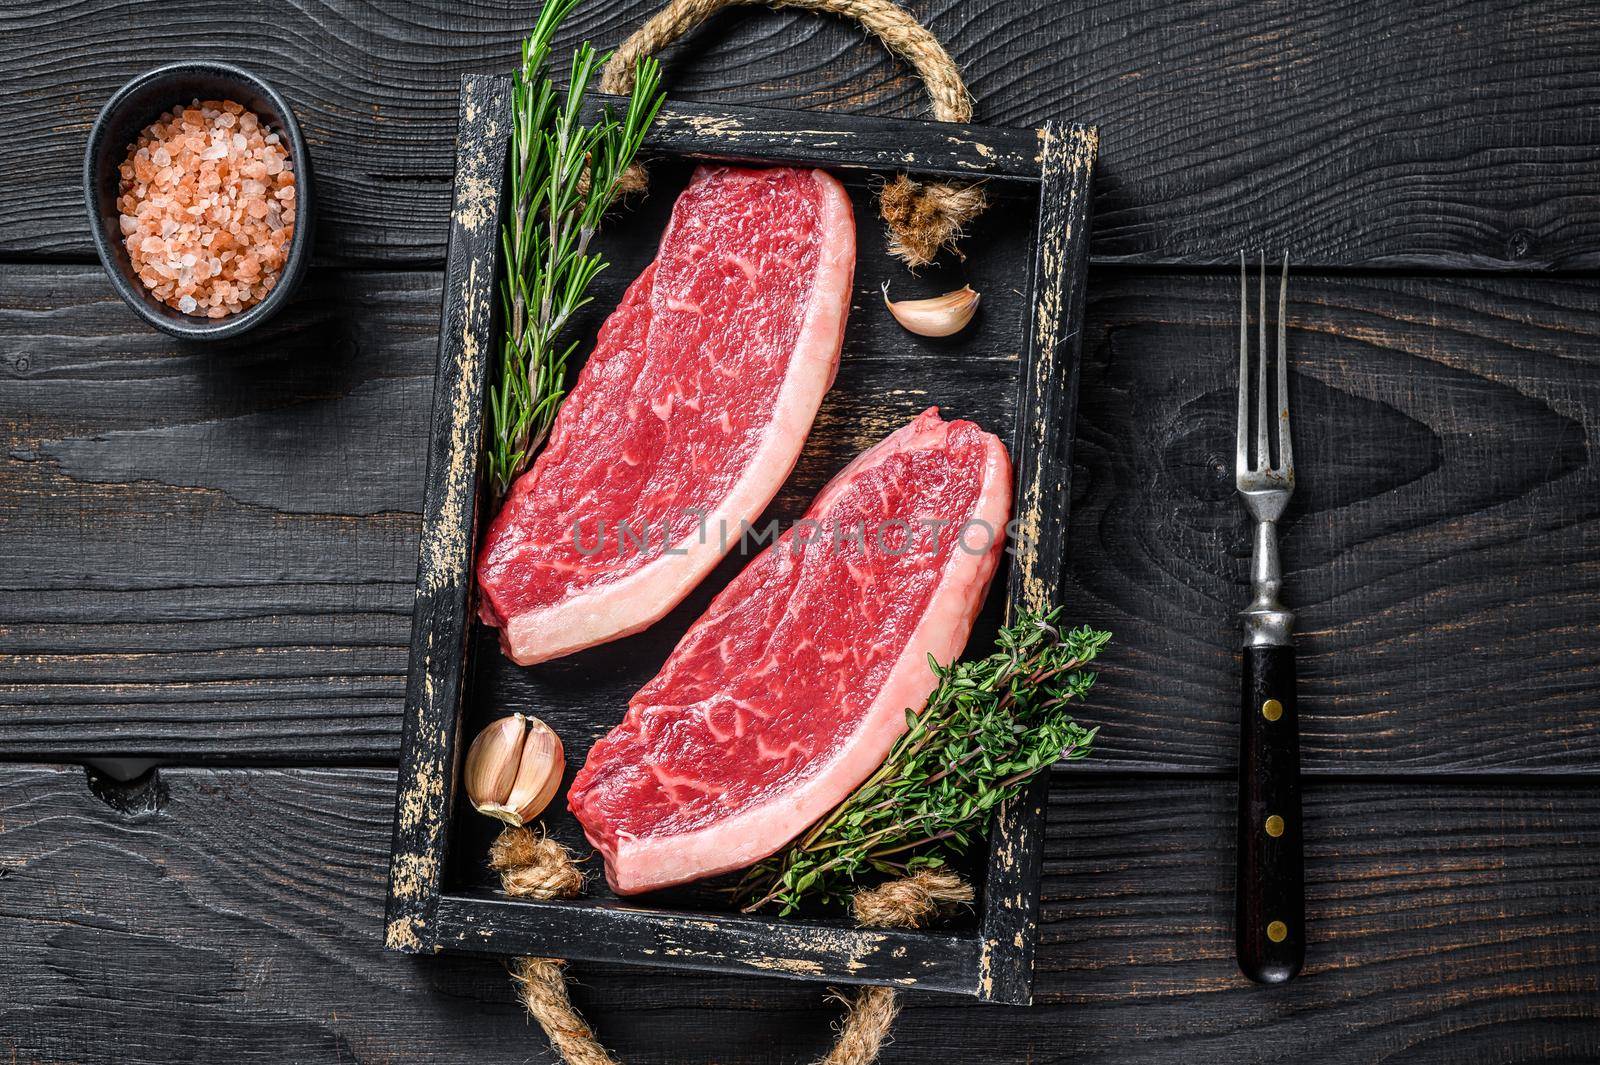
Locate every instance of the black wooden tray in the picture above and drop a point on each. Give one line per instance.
(1015, 371)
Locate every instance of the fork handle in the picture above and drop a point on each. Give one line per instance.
(1270, 893)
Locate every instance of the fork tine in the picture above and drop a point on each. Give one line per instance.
(1285, 448)
(1263, 456)
(1241, 455)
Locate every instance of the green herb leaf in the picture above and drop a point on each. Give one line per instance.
(987, 728)
(564, 177)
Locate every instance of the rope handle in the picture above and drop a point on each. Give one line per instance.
(922, 217)
(534, 866)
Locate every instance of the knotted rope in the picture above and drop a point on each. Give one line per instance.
(905, 903)
(533, 866)
(922, 217)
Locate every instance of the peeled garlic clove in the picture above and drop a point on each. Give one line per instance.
(514, 769)
(940, 316)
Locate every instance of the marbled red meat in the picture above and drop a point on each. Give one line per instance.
(794, 685)
(686, 419)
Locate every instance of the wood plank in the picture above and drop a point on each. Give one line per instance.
(213, 553)
(220, 542)
(1047, 397)
(237, 914)
(441, 631)
(633, 932)
(1402, 134)
(839, 142)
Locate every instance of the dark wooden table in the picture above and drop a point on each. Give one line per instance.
(208, 554)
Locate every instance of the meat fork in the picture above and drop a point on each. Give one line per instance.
(1270, 891)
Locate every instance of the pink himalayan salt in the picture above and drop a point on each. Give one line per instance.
(206, 206)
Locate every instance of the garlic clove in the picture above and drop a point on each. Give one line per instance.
(492, 760)
(514, 769)
(940, 316)
(538, 774)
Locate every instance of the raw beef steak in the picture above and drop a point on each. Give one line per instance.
(686, 418)
(791, 689)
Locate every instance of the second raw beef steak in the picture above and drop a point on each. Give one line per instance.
(791, 689)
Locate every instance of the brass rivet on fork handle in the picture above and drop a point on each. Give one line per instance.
(1270, 890)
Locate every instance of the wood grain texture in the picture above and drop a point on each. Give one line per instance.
(236, 915)
(1440, 551)
(1047, 402)
(450, 510)
(1352, 133)
(220, 543)
(213, 554)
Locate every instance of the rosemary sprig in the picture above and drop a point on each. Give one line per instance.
(987, 728)
(564, 177)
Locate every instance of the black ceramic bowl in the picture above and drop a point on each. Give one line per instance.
(136, 105)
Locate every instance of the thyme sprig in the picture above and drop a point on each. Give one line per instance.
(988, 726)
(565, 174)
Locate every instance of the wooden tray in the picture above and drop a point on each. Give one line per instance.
(1015, 371)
